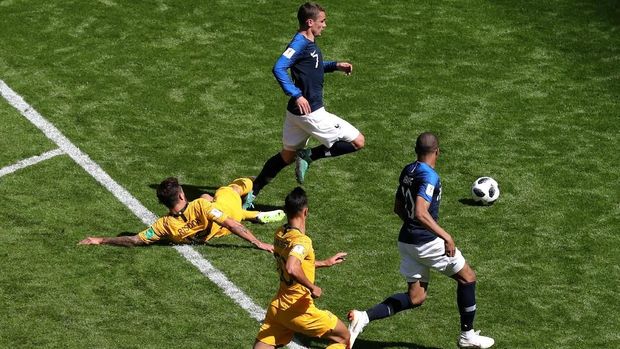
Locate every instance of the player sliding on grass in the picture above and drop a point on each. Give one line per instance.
(424, 245)
(305, 115)
(200, 220)
(292, 310)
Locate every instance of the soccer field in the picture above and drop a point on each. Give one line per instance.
(527, 92)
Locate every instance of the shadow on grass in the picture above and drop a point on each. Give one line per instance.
(361, 343)
(193, 192)
(206, 244)
(312, 343)
(470, 202)
(127, 233)
(218, 245)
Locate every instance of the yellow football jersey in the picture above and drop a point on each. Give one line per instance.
(289, 241)
(198, 222)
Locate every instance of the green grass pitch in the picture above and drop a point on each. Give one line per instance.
(527, 92)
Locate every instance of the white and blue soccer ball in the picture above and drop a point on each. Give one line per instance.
(485, 190)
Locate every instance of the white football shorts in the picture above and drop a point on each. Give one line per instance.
(325, 127)
(417, 260)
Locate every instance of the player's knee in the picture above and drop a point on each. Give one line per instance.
(288, 156)
(207, 197)
(466, 275)
(260, 345)
(359, 142)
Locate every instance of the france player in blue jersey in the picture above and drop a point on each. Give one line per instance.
(424, 245)
(305, 114)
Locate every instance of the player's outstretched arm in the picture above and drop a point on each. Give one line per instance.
(333, 260)
(244, 233)
(125, 241)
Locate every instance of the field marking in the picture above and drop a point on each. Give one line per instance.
(29, 161)
(147, 217)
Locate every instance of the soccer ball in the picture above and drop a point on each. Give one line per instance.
(485, 190)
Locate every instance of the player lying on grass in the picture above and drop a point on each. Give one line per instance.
(197, 221)
(292, 310)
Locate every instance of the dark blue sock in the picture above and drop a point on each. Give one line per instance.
(270, 170)
(466, 300)
(337, 149)
(392, 305)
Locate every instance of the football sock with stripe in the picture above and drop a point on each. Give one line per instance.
(392, 305)
(337, 149)
(270, 170)
(466, 301)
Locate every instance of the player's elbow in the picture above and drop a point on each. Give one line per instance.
(420, 214)
(291, 269)
(135, 240)
(278, 71)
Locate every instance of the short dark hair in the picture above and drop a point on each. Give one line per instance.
(309, 10)
(295, 202)
(168, 192)
(426, 143)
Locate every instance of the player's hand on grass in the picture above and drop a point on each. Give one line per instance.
(345, 67)
(91, 240)
(316, 292)
(303, 105)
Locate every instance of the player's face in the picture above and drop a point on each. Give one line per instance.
(317, 25)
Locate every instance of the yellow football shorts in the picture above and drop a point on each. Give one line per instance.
(228, 199)
(280, 325)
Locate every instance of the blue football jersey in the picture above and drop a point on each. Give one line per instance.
(418, 179)
(303, 57)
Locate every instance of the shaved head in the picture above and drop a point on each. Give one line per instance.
(426, 143)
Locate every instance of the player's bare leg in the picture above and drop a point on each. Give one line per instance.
(339, 336)
(359, 142)
(260, 345)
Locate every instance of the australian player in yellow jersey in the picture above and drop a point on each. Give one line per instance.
(197, 221)
(292, 310)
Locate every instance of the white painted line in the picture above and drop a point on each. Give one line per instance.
(29, 162)
(76, 154)
(220, 279)
(130, 201)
